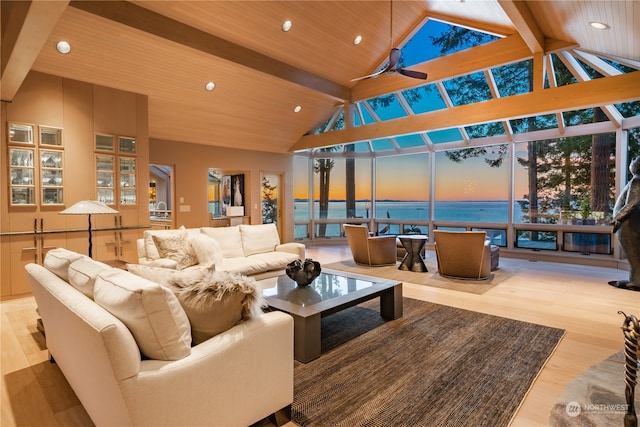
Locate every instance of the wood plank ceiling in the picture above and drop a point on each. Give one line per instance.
(168, 50)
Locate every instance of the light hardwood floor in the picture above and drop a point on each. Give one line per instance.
(575, 298)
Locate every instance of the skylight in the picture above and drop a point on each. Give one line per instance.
(436, 39)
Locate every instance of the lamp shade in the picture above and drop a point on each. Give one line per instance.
(88, 207)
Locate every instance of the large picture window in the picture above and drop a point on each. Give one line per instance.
(342, 190)
(471, 185)
(402, 192)
(565, 180)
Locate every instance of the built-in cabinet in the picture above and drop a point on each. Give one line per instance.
(115, 170)
(66, 141)
(116, 178)
(36, 165)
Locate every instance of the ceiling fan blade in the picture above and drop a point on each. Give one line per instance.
(412, 73)
(376, 74)
(394, 57)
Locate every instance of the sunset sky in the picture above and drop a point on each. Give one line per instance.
(407, 178)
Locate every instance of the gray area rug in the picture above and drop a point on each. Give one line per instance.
(595, 398)
(430, 278)
(435, 366)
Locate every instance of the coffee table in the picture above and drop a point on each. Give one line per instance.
(329, 293)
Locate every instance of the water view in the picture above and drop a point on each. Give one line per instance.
(470, 211)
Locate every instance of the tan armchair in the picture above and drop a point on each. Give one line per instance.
(463, 254)
(370, 250)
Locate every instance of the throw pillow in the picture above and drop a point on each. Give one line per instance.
(207, 249)
(165, 276)
(83, 273)
(228, 238)
(176, 247)
(218, 302)
(152, 313)
(150, 249)
(260, 238)
(58, 261)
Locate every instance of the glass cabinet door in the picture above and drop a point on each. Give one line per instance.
(51, 172)
(50, 136)
(127, 145)
(104, 179)
(20, 133)
(104, 142)
(22, 177)
(127, 181)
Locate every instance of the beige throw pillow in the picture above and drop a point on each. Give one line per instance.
(176, 246)
(152, 313)
(58, 261)
(83, 273)
(218, 302)
(207, 249)
(260, 238)
(228, 238)
(165, 276)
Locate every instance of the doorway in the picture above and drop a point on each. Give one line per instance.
(271, 200)
(161, 195)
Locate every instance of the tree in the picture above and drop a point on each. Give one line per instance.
(561, 173)
(350, 169)
(323, 168)
(269, 202)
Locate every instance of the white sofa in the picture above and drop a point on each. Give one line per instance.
(235, 378)
(253, 250)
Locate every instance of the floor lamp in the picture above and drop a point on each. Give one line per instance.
(89, 207)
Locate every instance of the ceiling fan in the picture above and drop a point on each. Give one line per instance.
(394, 58)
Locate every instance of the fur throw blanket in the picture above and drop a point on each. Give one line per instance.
(216, 286)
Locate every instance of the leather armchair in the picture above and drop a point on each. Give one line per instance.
(463, 254)
(370, 250)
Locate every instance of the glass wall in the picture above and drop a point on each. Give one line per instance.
(565, 180)
(402, 193)
(301, 197)
(472, 185)
(537, 195)
(342, 190)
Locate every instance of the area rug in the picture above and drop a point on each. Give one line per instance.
(435, 366)
(430, 278)
(595, 398)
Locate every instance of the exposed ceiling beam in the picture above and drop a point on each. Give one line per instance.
(525, 23)
(29, 25)
(589, 94)
(500, 52)
(159, 25)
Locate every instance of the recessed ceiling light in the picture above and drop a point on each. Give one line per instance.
(210, 86)
(599, 25)
(286, 25)
(297, 109)
(357, 40)
(63, 47)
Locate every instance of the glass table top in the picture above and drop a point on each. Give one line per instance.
(325, 287)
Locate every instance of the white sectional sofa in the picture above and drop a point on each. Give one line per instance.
(253, 250)
(124, 345)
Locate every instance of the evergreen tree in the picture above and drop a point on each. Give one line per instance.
(269, 202)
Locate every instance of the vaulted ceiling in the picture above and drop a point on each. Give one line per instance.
(169, 50)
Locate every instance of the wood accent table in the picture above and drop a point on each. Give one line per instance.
(329, 293)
